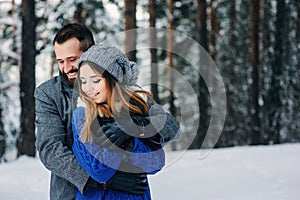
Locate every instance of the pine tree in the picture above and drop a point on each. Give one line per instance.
(203, 94)
(9, 87)
(130, 26)
(277, 65)
(26, 139)
(153, 50)
(254, 57)
(233, 61)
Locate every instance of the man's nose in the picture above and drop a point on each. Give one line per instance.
(67, 66)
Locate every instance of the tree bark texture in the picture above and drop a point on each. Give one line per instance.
(153, 50)
(26, 139)
(130, 25)
(254, 59)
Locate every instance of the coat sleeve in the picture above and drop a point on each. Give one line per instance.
(52, 144)
(148, 160)
(100, 163)
(166, 124)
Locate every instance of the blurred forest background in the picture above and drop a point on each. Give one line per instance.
(254, 43)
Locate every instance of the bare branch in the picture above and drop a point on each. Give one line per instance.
(8, 84)
(11, 54)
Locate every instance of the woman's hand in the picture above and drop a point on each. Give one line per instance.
(107, 133)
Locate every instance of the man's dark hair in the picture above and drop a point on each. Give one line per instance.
(79, 31)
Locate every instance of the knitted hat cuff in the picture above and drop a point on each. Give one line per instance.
(113, 61)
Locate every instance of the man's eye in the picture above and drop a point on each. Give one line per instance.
(72, 59)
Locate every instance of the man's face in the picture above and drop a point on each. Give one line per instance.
(67, 55)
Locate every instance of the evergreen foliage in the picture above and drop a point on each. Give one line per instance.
(279, 44)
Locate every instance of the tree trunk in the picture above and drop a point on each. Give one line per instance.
(170, 78)
(203, 94)
(26, 139)
(254, 58)
(298, 28)
(277, 67)
(2, 141)
(267, 55)
(202, 18)
(130, 25)
(153, 50)
(170, 56)
(214, 30)
(78, 14)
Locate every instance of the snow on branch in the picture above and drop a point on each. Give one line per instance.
(5, 1)
(8, 21)
(8, 84)
(11, 54)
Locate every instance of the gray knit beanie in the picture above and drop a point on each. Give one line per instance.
(114, 61)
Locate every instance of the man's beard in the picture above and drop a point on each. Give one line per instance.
(70, 82)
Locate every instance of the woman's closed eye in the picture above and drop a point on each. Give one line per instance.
(96, 81)
(82, 81)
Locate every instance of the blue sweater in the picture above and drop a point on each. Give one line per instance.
(102, 163)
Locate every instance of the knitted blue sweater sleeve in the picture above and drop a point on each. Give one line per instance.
(100, 163)
(148, 160)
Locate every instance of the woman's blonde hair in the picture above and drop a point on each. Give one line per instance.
(118, 96)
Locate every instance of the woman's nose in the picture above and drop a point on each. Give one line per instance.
(89, 88)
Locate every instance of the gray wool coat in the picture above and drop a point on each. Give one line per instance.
(54, 137)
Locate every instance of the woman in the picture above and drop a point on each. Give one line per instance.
(113, 134)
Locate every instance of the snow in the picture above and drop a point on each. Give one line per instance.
(256, 173)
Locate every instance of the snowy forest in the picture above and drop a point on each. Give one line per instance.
(254, 44)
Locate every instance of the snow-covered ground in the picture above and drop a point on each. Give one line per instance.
(239, 173)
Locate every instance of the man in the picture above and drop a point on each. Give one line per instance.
(53, 120)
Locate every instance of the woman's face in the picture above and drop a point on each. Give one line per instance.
(92, 84)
